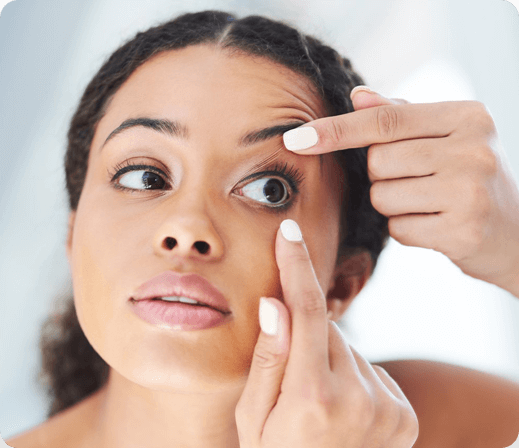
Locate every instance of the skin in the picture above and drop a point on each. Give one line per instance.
(418, 156)
(182, 386)
(454, 405)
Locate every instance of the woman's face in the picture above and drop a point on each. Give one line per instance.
(118, 236)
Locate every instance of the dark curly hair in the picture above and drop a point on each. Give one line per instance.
(71, 369)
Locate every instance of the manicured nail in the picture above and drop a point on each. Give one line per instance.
(300, 138)
(268, 317)
(291, 230)
(359, 89)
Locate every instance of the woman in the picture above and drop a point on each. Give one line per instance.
(190, 193)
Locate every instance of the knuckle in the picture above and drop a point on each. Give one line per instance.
(475, 194)
(386, 122)
(364, 405)
(480, 116)
(338, 131)
(391, 410)
(265, 358)
(395, 228)
(311, 302)
(475, 236)
(320, 394)
(375, 162)
(480, 204)
(409, 426)
(314, 417)
(388, 404)
(393, 414)
(470, 238)
(298, 256)
(379, 369)
(367, 412)
(409, 417)
(486, 160)
(477, 107)
(376, 197)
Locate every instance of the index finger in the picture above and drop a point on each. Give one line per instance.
(307, 304)
(381, 124)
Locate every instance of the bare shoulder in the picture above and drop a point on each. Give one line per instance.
(51, 432)
(34, 437)
(457, 406)
(69, 428)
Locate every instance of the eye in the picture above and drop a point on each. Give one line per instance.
(131, 177)
(267, 190)
(148, 179)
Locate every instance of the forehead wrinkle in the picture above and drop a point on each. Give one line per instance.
(309, 94)
(299, 88)
(301, 103)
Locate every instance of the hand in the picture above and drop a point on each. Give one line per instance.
(441, 177)
(307, 388)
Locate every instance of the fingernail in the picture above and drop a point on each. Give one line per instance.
(359, 89)
(268, 317)
(291, 230)
(300, 138)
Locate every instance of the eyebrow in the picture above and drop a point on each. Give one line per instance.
(179, 130)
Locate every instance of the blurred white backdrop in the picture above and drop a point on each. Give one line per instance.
(417, 305)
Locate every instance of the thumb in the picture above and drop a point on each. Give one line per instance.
(362, 97)
(267, 369)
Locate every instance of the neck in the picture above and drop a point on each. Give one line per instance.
(132, 416)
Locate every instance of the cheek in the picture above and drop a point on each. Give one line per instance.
(101, 261)
(113, 254)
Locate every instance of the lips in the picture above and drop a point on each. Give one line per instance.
(192, 286)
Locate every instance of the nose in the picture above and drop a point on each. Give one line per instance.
(186, 236)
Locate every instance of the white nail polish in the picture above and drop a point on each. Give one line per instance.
(300, 138)
(268, 317)
(360, 88)
(291, 230)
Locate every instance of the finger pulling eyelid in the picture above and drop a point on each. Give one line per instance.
(266, 161)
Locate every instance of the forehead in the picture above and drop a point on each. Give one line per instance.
(205, 84)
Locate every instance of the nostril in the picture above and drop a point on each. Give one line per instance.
(170, 243)
(202, 247)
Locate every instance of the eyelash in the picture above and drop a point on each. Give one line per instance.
(291, 174)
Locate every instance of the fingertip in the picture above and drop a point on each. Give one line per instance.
(291, 231)
(275, 323)
(360, 89)
(366, 99)
(269, 316)
(301, 138)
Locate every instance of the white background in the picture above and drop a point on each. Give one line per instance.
(417, 305)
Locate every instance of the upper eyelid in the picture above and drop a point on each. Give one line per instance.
(142, 167)
(119, 170)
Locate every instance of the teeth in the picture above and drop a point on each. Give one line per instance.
(180, 299)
